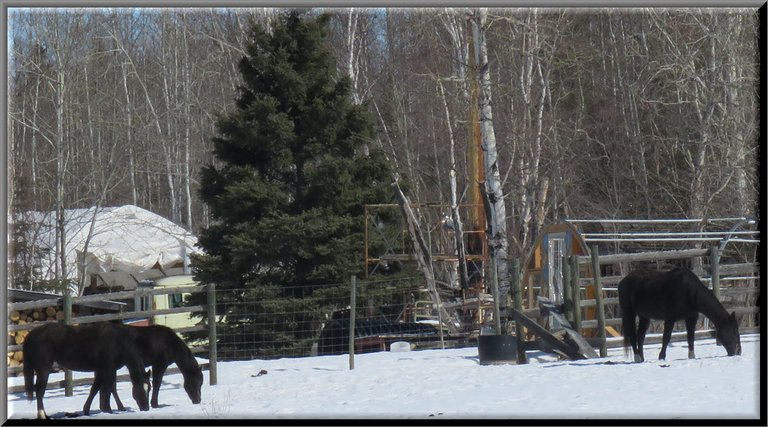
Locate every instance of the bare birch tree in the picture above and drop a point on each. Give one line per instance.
(497, 241)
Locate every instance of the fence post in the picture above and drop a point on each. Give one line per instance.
(517, 300)
(352, 307)
(714, 257)
(67, 321)
(137, 299)
(496, 302)
(567, 294)
(599, 300)
(212, 356)
(576, 289)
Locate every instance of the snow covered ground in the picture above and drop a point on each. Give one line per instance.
(433, 384)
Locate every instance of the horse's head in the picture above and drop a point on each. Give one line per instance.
(141, 389)
(193, 383)
(728, 336)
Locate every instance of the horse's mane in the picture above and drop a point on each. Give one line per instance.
(184, 357)
(703, 298)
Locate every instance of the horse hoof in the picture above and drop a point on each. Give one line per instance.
(691, 355)
(638, 358)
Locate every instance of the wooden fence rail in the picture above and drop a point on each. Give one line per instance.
(574, 304)
(67, 302)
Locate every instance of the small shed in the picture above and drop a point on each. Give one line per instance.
(543, 271)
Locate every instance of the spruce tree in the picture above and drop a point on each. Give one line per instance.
(286, 194)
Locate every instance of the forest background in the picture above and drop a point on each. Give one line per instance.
(618, 113)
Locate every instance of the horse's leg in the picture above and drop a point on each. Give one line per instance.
(690, 331)
(668, 325)
(157, 378)
(119, 404)
(95, 387)
(29, 378)
(642, 327)
(40, 385)
(107, 387)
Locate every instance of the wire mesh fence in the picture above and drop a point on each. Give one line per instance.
(274, 322)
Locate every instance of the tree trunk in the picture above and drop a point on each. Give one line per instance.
(129, 137)
(498, 227)
(458, 227)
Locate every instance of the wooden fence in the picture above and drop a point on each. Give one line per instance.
(574, 287)
(67, 301)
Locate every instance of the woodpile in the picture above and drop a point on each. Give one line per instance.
(23, 317)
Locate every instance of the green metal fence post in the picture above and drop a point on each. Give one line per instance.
(352, 307)
(517, 300)
(496, 302)
(212, 354)
(67, 321)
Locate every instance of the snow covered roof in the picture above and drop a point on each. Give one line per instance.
(125, 238)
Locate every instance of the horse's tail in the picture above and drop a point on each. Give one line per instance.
(628, 327)
(29, 374)
(629, 331)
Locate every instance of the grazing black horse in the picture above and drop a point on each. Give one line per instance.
(671, 296)
(159, 346)
(102, 348)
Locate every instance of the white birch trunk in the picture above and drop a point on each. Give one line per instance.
(498, 227)
(458, 228)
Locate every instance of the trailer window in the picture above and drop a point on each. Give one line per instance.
(175, 300)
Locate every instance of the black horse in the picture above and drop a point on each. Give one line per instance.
(671, 296)
(159, 346)
(102, 348)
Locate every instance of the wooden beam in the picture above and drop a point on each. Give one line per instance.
(547, 308)
(555, 344)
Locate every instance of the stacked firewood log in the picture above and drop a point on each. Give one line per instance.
(23, 317)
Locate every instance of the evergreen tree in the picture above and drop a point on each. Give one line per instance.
(286, 194)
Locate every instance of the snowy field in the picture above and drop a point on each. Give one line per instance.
(451, 384)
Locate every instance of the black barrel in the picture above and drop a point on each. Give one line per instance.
(497, 349)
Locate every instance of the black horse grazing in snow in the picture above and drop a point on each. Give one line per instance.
(102, 348)
(159, 346)
(671, 296)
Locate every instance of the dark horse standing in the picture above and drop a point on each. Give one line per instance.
(671, 296)
(102, 348)
(159, 346)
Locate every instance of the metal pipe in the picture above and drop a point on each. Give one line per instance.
(654, 221)
(672, 239)
(662, 234)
